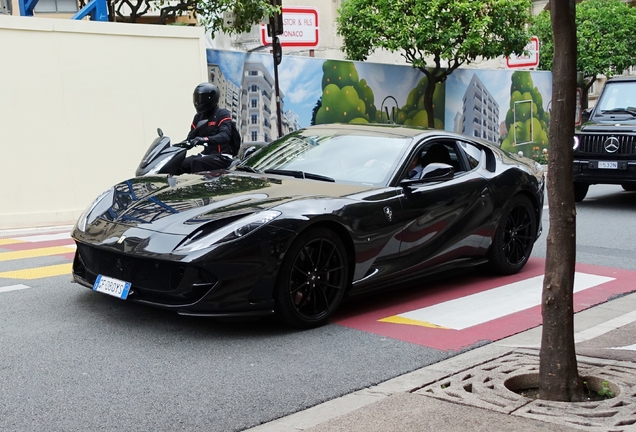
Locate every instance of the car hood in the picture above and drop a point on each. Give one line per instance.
(178, 205)
(621, 125)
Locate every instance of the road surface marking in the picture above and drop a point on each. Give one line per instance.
(44, 237)
(38, 252)
(6, 241)
(479, 308)
(38, 272)
(625, 348)
(13, 288)
(605, 327)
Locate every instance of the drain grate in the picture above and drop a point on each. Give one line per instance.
(483, 386)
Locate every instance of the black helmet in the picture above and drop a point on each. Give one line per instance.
(205, 97)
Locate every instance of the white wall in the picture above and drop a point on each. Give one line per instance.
(80, 102)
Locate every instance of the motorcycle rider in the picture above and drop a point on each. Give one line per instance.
(214, 135)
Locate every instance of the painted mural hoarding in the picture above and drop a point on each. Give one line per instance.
(505, 107)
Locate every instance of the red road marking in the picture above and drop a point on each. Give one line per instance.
(366, 316)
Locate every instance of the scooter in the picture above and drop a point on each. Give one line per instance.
(162, 157)
(165, 158)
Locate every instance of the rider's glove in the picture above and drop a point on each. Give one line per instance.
(198, 141)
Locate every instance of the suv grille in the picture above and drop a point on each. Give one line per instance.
(143, 273)
(595, 144)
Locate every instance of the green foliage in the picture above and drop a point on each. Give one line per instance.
(526, 121)
(456, 32)
(413, 113)
(345, 98)
(605, 35)
(208, 12)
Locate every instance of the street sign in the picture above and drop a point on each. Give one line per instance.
(300, 28)
(525, 61)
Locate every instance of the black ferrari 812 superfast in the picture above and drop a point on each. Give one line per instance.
(325, 213)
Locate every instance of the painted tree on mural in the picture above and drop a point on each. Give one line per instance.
(605, 31)
(526, 120)
(208, 13)
(345, 98)
(450, 33)
(414, 113)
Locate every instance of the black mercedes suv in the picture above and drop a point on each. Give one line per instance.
(605, 145)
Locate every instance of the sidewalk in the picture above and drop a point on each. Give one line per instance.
(467, 392)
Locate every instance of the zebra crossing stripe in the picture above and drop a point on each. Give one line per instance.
(34, 253)
(38, 272)
(13, 288)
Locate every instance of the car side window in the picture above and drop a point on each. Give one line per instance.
(473, 154)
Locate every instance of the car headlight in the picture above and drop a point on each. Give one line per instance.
(576, 142)
(232, 231)
(101, 204)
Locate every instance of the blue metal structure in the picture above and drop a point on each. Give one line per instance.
(97, 9)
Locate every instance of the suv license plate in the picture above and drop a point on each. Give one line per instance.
(111, 286)
(607, 165)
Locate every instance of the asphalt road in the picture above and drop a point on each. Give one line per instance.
(71, 360)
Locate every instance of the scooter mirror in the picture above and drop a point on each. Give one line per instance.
(159, 132)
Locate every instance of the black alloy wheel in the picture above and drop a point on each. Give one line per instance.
(514, 238)
(312, 280)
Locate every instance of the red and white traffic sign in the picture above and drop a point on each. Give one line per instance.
(300, 28)
(529, 60)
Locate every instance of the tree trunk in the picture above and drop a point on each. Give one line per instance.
(428, 100)
(558, 374)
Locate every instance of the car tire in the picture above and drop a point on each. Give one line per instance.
(514, 237)
(580, 190)
(312, 280)
(629, 187)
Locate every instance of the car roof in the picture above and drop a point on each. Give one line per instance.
(381, 128)
(622, 78)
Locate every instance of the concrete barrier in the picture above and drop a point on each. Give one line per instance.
(80, 102)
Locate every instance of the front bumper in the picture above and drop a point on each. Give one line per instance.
(588, 171)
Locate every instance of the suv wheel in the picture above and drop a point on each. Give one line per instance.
(580, 190)
(629, 187)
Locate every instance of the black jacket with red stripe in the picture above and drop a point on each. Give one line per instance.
(217, 132)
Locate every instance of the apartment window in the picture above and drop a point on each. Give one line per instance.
(254, 136)
(254, 88)
(56, 6)
(266, 138)
(253, 73)
(254, 103)
(254, 119)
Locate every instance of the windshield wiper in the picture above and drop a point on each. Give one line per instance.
(299, 174)
(620, 110)
(245, 168)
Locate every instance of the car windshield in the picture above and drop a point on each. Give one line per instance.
(331, 155)
(618, 98)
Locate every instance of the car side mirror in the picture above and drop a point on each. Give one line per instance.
(585, 115)
(437, 171)
(248, 152)
(432, 172)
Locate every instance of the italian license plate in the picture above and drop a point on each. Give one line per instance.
(607, 165)
(112, 286)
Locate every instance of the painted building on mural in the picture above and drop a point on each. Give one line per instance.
(258, 119)
(480, 112)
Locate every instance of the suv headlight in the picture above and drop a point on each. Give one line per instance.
(576, 142)
(232, 231)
